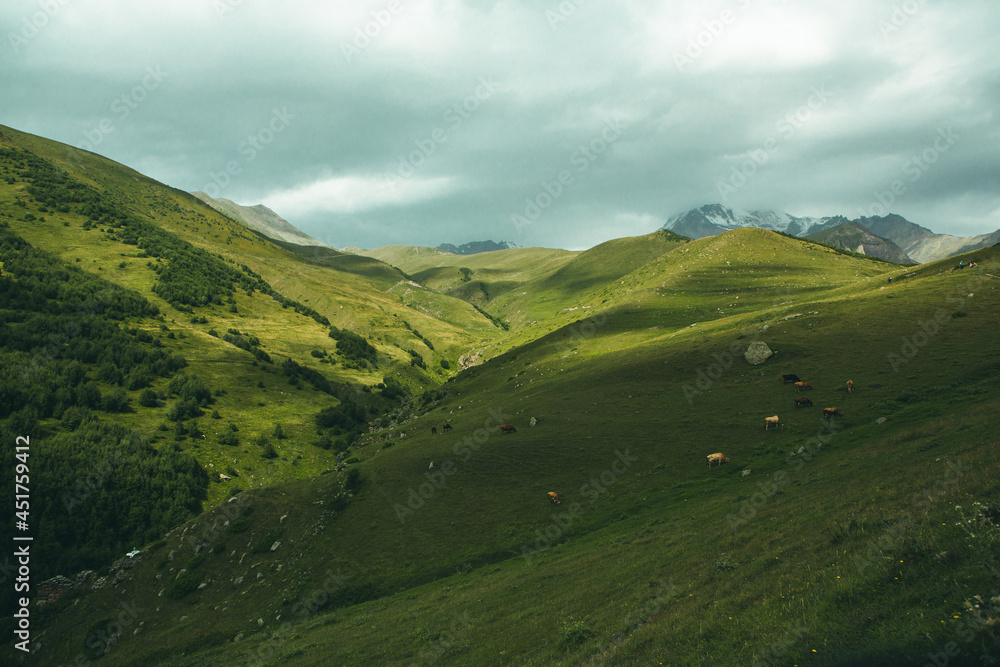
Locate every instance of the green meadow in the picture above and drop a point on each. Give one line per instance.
(872, 537)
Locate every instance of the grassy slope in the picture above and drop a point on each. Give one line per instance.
(256, 399)
(352, 296)
(486, 275)
(651, 570)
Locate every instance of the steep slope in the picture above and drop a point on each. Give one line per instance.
(354, 293)
(261, 219)
(853, 236)
(245, 366)
(822, 542)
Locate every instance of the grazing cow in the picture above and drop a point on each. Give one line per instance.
(447, 426)
(508, 428)
(770, 421)
(554, 498)
(850, 386)
(718, 457)
(802, 402)
(789, 377)
(434, 429)
(831, 412)
(802, 386)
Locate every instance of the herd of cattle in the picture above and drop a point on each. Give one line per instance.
(799, 402)
(718, 457)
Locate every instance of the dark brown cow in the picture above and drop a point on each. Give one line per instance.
(554, 498)
(802, 402)
(802, 386)
(831, 412)
(718, 457)
(789, 377)
(508, 428)
(434, 429)
(447, 426)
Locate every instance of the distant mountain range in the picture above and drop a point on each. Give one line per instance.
(714, 219)
(476, 247)
(261, 219)
(891, 237)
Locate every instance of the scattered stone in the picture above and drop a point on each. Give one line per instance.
(757, 353)
(880, 420)
(282, 519)
(275, 546)
(532, 422)
(52, 589)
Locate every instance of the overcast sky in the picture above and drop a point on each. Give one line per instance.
(559, 124)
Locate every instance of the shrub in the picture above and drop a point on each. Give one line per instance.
(186, 583)
(229, 436)
(148, 398)
(574, 633)
(116, 401)
(240, 524)
(353, 480)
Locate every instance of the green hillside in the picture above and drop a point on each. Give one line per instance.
(480, 278)
(288, 356)
(865, 538)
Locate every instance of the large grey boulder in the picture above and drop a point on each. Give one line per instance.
(757, 353)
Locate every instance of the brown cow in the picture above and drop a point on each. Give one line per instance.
(718, 457)
(802, 386)
(554, 498)
(831, 412)
(508, 428)
(770, 421)
(850, 386)
(802, 402)
(447, 426)
(434, 429)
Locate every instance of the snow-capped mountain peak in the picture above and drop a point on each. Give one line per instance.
(713, 219)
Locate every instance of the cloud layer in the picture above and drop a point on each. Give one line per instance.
(560, 124)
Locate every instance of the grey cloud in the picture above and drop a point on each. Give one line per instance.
(891, 90)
